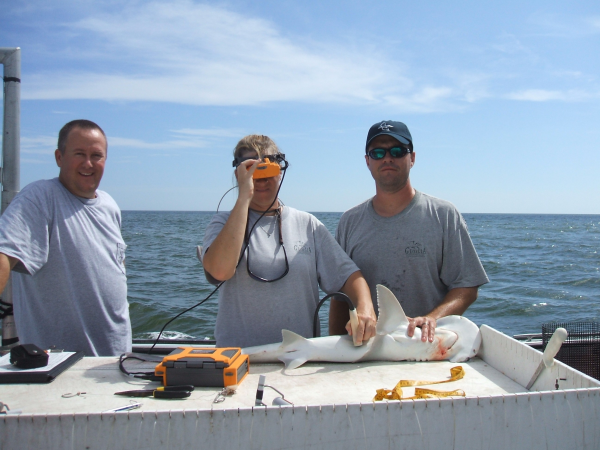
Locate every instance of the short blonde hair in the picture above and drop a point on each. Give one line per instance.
(262, 145)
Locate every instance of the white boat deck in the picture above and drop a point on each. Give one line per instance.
(333, 408)
(309, 385)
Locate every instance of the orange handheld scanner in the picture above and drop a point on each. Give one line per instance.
(266, 169)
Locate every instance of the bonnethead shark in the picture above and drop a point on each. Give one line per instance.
(456, 339)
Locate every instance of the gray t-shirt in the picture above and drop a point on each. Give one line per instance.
(419, 254)
(71, 289)
(253, 312)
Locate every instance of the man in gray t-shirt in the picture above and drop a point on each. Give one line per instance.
(62, 239)
(416, 245)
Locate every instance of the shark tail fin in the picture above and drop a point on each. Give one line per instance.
(292, 358)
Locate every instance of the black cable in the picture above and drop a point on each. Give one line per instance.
(6, 309)
(183, 312)
(142, 375)
(238, 263)
(247, 242)
(227, 192)
(316, 316)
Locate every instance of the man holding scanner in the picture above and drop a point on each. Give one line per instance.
(273, 258)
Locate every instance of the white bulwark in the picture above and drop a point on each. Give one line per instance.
(333, 408)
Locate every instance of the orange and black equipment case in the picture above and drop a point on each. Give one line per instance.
(203, 367)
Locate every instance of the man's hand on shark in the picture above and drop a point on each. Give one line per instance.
(427, 325)
(367, 325)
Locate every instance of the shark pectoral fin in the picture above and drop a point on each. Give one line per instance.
(391, 314)
(293, 356)
(292, 360)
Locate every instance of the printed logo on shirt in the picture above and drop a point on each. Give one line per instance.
(302, 247)
(415, 250)
(121, 256)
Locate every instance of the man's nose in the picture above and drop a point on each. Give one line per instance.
(388, 156)
(87, 162)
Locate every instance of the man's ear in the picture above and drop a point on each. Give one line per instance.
(367, 160)
(58, 157)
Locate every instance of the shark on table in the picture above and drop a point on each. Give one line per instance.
(457, 339)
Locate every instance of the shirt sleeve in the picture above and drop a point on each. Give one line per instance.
(210, 234)
(339, 234)
(212, 230)
(334, 266)
(461, 266)
(24, 233)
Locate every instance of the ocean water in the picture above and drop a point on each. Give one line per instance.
(542, 268)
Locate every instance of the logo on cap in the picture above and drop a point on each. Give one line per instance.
(385, 127)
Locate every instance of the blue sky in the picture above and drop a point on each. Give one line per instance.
(502, 98)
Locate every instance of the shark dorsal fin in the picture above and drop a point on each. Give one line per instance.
(290, 338)
(391, 314)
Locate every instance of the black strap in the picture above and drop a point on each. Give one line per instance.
(340, 296)
(14, 79)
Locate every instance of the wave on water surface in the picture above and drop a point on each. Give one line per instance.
(542, 268)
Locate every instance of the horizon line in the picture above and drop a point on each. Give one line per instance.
(341, 212)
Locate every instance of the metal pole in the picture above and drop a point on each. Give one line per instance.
(11, 173)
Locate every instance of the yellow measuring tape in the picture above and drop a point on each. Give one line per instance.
(456, 373)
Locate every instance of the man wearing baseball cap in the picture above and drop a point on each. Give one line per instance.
(415, 244)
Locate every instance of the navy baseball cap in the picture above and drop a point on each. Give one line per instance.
(395, 129)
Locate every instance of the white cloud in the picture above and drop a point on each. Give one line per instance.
(209, 132)
(566, 26)
(425, 100)
(509, 43)
(541, 95)
(186, 138)
(36, 161)
(192, 53)
(39, 145)
(199, 54)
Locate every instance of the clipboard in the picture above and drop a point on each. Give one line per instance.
(57, 364)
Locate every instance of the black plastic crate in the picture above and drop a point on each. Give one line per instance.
(581, 350)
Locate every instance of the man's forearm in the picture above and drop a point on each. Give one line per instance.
(455, 302)
(357, 289)
(6, 264)
(221, 258)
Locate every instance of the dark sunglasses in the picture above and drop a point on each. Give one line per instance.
(396, 152)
